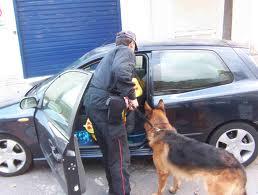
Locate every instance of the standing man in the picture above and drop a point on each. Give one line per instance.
(111, 91)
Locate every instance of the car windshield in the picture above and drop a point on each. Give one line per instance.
(93, 54)
(78, 61)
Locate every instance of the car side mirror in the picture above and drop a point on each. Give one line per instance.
(28, 102)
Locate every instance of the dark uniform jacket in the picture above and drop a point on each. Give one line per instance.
(113, 76)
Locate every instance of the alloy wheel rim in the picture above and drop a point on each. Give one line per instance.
(239, 142)
(12, 156)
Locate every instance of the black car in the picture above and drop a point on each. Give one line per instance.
(210, 90)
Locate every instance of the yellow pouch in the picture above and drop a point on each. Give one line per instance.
(138, 89)
(89, 128)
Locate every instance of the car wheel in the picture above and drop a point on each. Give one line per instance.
(240, 139)
(15, 157)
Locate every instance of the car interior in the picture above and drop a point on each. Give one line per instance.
(136, 137)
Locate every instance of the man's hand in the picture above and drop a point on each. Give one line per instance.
(133, 104)
(126, 102)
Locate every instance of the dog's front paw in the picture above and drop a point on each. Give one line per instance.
(173, 190)
(155, 193)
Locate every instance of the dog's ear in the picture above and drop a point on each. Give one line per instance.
(147, 108)
(161, 105)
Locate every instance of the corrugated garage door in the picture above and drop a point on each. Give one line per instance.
(54, 33)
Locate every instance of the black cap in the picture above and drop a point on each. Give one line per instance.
(127, 34)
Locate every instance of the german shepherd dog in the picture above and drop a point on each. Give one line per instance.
(189, 159)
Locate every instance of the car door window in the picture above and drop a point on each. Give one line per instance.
(60, 98)
(186, 70)
(91, 66)
(140, 65)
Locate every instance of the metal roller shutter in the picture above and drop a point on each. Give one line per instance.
(54, 33)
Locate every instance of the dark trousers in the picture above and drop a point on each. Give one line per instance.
(112, 139)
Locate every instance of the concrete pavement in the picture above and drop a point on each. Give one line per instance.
(39, 180)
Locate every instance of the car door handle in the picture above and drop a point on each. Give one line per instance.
(57, 156)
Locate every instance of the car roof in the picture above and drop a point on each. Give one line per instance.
(99, 52)
(180, 42)
(190, 42)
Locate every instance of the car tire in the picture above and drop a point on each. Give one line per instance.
(15, 156)
(238, 138)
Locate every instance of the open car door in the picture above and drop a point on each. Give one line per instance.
(55, 121)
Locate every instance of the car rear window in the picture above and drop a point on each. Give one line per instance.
(254, 59)
(251, 60)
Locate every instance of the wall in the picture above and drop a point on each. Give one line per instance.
(199, 18)
(149, 19)
(10, 64)
(166, 19)
(245, 28)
